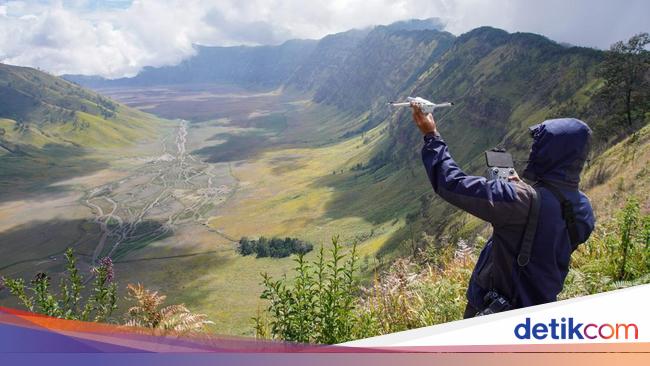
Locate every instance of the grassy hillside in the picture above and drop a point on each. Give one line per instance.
(49, 127)
(326, 58)
(32, 96)
(382, 65)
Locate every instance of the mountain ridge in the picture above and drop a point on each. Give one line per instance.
(49, 127)
(215, 64)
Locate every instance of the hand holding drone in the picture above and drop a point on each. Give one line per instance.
(422, 112)
(424, 105)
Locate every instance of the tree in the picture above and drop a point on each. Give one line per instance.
(245, 246)
(626, 71)
(273, 247)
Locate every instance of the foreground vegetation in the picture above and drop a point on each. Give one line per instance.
(318, 308)
(323, 304)
(147, 313)
(68, 303)
(323, 301)
(98, 302)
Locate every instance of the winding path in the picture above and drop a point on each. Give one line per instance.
(180, 187)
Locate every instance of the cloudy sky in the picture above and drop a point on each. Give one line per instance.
(115, 38)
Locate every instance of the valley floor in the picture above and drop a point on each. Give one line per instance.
(169, 211)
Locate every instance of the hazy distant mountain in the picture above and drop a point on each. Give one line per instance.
(260, 66)
(330, 58)
(301, 64)
(417, 24)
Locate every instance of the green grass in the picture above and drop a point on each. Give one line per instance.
(285, 191)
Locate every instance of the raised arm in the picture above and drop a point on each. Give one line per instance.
(495, 201)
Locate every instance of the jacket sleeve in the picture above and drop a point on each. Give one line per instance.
(495, 201)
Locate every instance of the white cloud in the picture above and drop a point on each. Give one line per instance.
(590, 23)
(115, 38)
(110, 43)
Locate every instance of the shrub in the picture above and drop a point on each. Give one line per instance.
(99, 304)
(319, 307)
(146, 313)
(617, 255)
(409, 295)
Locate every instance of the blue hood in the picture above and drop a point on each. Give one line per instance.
(559, 151)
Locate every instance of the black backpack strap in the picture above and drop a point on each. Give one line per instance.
(568, 214)
(529, 232)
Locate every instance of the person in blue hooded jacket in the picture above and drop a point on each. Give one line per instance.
(557, 156)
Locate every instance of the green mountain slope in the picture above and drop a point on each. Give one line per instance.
(49, 127)
(31, 96)
(500, 83)
(384, 63)
(325, 60)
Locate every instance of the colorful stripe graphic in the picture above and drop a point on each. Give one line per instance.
(28, 338)
(26, 332)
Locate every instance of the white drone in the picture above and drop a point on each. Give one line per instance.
(424, 105)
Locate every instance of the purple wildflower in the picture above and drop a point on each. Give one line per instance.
(107, 264)
(40, 277)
